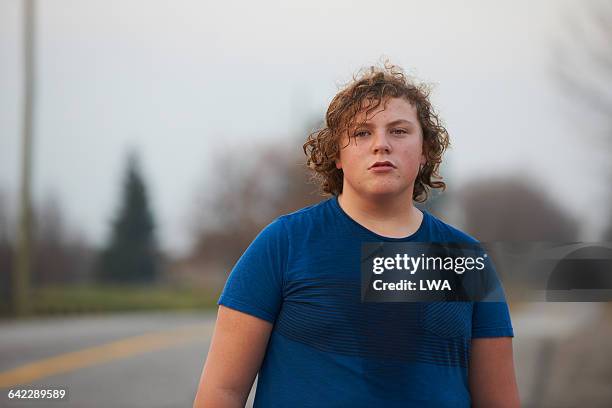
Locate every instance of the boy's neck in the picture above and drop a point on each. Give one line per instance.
(389, 216)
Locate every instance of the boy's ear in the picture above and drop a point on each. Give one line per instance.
(338, 164)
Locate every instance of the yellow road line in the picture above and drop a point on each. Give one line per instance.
(127, 347)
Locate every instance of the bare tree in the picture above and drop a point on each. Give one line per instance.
(253, 187)
(58, 252)
(508, 209)
(6, 250)
(583, 59)
(582, 63)
(248, 198)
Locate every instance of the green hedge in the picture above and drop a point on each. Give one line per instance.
(94, 299)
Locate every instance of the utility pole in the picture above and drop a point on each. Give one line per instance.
(21, 278)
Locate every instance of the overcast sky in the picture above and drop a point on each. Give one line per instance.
(183, 80)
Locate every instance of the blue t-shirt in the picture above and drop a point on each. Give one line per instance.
(327, 348)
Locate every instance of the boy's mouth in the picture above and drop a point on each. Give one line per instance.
(382, 165)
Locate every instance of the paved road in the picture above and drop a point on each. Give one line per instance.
(551, 370)
(127, 360)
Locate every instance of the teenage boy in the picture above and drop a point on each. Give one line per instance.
(291, 309)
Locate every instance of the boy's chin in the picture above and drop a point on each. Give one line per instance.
(384, 190)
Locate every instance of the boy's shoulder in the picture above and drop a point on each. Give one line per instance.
(309, 212)
(448, 232)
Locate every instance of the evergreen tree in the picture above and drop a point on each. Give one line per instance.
(131, 255)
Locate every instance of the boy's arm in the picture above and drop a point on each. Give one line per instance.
(236, 352)
(491, 373)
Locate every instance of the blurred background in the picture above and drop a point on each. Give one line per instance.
(144, 144)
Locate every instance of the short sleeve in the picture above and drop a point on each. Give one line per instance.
(492, 318)
(255, 283)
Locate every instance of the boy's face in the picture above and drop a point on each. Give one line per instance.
(391, 135)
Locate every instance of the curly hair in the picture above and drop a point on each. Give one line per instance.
(367, 91)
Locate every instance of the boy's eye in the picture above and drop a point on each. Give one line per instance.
(399, 131)
(361, 133)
